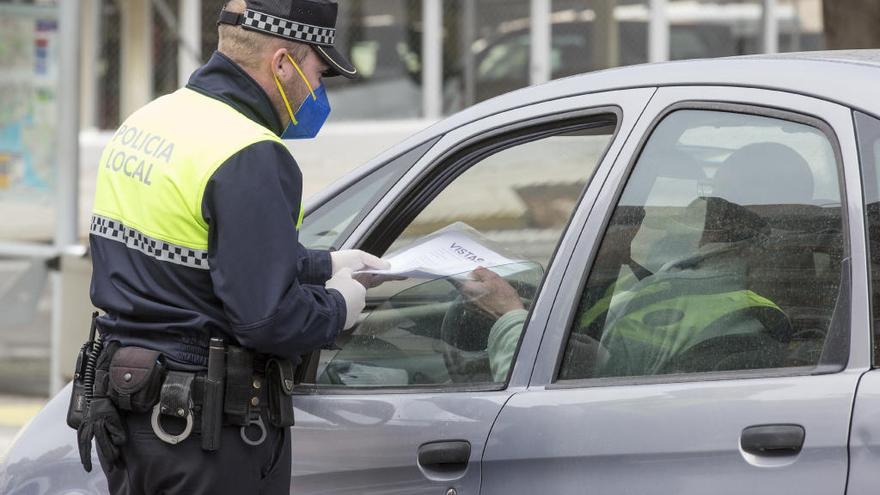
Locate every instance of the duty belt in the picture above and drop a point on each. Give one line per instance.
(173, 402)
(239, 388)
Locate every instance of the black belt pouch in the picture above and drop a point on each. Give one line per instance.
(279, 378)
(239, 380)
(136, 378)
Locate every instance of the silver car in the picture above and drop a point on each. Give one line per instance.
(694, 277)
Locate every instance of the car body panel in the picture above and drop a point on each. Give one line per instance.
(44, 460)
(680, 435)
(678, 438)
(864, 447)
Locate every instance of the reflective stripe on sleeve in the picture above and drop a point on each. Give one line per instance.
(156, 248)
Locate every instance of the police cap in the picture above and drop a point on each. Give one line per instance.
(307, 21)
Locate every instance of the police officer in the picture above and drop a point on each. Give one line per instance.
(194, 236)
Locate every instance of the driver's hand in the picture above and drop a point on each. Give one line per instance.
(490, 293)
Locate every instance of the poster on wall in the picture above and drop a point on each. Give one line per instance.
(28, 120)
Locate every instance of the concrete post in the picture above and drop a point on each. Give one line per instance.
(432, 59)
(468, 61)
(136, 56)
(606, 35)
(658, 31)
(67, 180)
(189, 55)
(770, 27)
(90, 54)
(539, 61)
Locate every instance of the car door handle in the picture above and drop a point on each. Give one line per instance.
(773, 440)
(446, 456)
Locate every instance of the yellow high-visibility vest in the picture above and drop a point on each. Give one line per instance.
(153, 173)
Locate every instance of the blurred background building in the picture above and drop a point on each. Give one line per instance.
(420, 60)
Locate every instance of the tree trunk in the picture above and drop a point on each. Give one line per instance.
(851, 23)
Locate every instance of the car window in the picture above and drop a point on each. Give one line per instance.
(725, 252)
(444, 323)
(329, 224)
(868, 129)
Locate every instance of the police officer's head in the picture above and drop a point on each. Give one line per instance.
(287, 46)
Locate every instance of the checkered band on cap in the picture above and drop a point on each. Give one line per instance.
(157, 248)
(289, 29)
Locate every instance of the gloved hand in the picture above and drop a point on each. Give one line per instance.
(352, 291)
(355, 259)
(104, 425)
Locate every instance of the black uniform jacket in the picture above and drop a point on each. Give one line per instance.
(263, 291)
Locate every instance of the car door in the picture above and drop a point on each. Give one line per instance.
(863, 474)
(713, 322)
(405, 401)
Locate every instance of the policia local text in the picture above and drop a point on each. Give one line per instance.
(136, 152)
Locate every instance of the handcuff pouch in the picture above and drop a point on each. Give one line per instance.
(136, 378)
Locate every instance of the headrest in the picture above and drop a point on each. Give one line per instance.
(762, 174)
(729, 222)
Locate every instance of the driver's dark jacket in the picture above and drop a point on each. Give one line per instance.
(263, 290)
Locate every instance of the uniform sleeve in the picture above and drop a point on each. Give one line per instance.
(259, 270)
(503, 339)
(315, 266)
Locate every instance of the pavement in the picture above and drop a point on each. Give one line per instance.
(15, 412)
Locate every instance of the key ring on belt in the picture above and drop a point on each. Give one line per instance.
(164, 435)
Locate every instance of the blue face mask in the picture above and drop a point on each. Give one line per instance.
(310, 117)
(312, 113)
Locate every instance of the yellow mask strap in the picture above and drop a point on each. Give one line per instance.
(303, 76)
(284, 97)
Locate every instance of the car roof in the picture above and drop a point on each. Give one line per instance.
(847, 77)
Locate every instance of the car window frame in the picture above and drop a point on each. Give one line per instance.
(846, 286)
(429, 183)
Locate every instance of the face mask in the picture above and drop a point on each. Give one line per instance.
(312, 113)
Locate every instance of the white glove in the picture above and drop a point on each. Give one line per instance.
(352, 291)
(355, 259)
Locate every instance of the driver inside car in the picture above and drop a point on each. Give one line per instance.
(651, 323)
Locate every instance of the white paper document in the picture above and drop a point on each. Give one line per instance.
(447, 254)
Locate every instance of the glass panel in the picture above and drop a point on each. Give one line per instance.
(29, 46)
(724, 253)
(800, 25)
(869, 151)
(714, 28)
(379, 39)
(486, 50)
(433, 333)
(330, 224)
(466, 270)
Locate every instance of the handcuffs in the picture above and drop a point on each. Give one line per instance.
(175, 400)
